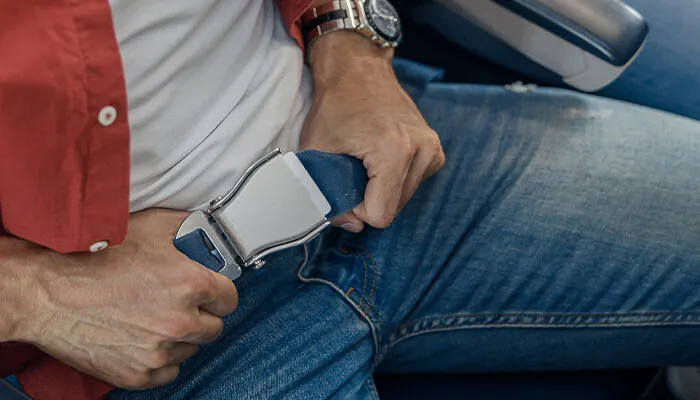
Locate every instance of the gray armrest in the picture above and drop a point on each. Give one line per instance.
(588, 43)
(610, 29)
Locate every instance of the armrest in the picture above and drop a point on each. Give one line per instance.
(587, 43)
(609, 29)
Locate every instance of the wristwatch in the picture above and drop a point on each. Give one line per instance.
(375, 19)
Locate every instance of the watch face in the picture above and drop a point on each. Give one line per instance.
(383, 18)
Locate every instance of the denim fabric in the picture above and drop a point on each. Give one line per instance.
(562, 233)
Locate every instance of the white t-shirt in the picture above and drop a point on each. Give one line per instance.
(211, 85)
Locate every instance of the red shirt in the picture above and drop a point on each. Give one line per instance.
(64, 149)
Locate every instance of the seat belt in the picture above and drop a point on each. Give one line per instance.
(9, 389)
(340, 179)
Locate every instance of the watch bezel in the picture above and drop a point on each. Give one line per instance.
(369, 21)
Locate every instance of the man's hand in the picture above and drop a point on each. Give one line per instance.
(130, 314)
(360, 109)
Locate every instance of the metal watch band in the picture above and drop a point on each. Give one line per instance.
(329, 17)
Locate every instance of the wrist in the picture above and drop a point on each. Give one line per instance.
(19, 265)
(346, 57)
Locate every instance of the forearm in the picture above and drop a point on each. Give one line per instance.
(19, 265)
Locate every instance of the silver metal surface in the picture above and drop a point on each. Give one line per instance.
(302, 240)
(274, 206)
(201, 221)
(216, 203)
(216, 200)
(356, 20)
(271, 210)
(350, 7)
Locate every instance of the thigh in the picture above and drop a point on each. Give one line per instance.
(286, 340)
(562, 233)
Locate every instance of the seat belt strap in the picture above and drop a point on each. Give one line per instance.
(342, 179)
(10, 389)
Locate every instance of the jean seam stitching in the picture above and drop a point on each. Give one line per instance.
(554, 314)
(376, 334)
(364, 282)
(374, 276)
(369, 383)
(368, 309)
(399, 337)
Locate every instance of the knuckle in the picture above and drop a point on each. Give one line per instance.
(201, 285)
(399, 142)
(135, 380)
(156, 359)
(384, 220)
(405, 146)
(172, 376)
(178, 327)
(440, 161)
(434, 144)
(434, 147)
(232, 303)
(217, 330)
(213, 332)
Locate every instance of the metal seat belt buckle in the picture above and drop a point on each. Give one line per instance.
(274, 206)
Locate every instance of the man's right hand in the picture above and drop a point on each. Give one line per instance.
(129, 314)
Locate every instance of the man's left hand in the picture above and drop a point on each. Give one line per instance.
(360, 109)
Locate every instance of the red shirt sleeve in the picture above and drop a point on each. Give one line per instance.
(292, 11)
(64, 171)
(64, 151)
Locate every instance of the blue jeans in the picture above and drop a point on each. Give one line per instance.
(562, 233)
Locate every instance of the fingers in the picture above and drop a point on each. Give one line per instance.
(209, 327)
(349, 222)
(396, 174)
(180, 352)
(387, 172)
(226, 297)
(162, 376)
(437, 163)
(414, 177)
(177, 354)
(206, 289)
(428, 160)
(134, 377)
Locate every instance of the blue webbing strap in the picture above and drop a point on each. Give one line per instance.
(342, 180)
(10, 389)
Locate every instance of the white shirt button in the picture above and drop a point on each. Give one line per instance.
(97, 246)
(107, 115)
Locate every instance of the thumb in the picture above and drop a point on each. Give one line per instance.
(349, 222)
